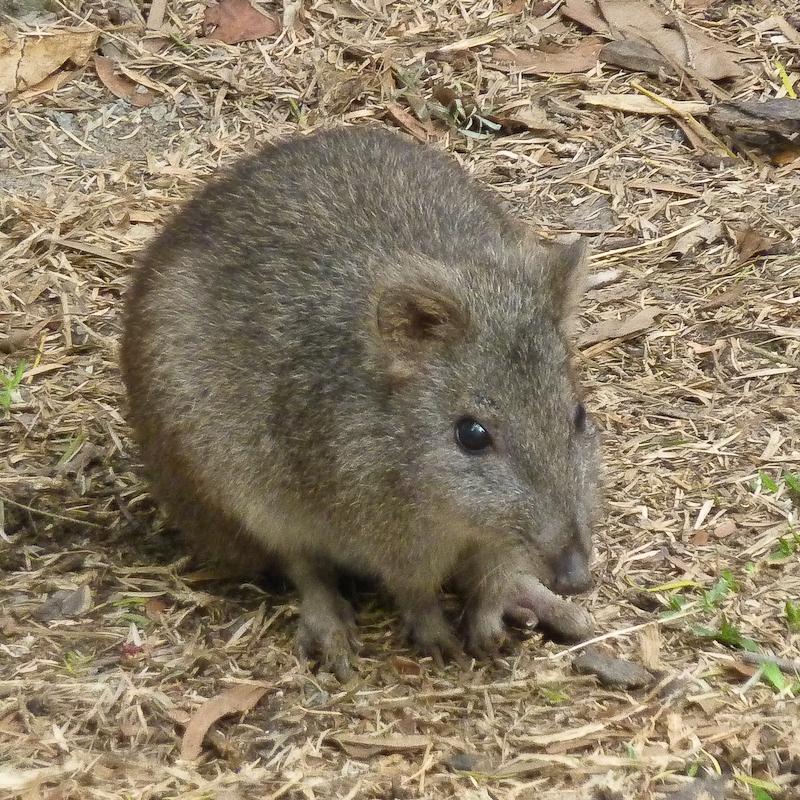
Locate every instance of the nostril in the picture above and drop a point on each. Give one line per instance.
(572, 572)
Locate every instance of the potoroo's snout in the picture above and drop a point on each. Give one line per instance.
(572, 573)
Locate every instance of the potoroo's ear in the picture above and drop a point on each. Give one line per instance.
(564, 277)
(412, 319)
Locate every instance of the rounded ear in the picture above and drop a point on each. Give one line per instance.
(412, 318)
(564, 276)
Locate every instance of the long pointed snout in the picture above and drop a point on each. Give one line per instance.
(572, 574)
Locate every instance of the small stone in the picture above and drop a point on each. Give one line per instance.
(65, 603)
(466, 762)
(612, 671)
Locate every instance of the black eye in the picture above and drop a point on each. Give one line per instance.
(472, 436)
(580, 417)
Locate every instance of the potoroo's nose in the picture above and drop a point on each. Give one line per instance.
(572, 575)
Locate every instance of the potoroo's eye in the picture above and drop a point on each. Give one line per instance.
(471, 436)
(579, 418)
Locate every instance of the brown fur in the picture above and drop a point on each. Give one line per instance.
(299, 344)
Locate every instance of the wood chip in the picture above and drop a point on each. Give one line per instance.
(638, 104)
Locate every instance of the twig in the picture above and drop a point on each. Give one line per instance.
(48, 514)
(790, 666)
(689, 119)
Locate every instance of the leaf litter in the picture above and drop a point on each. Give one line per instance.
(689, 397)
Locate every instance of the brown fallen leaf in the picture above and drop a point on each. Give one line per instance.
(749, 243)
(364, 746)
(237, 699)
(409, 123)
(682, 44)
(705, 233)
(27, 60)
(235, 21)
(620, 328)
(580, 58)
(120, 85)
(584, 12)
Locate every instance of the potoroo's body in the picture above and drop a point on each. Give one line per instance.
(343, 353)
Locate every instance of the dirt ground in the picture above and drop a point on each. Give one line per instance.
(111, 641)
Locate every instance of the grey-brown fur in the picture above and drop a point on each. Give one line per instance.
(299, 343)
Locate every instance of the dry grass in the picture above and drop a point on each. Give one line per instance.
(693, 408)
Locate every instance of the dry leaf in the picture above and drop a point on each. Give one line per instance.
(620, 328)
(639, 104)
(27, 60)
(703, 234)
(580, 58)
(688, 46)
(750, 242)
(513, 6)
(409, 123)
(584, 12)
(235, 21)
(358, 746)
(237, 699)
(120, 85)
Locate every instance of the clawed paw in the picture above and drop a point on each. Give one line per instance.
(430, 633)
(328, 636)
